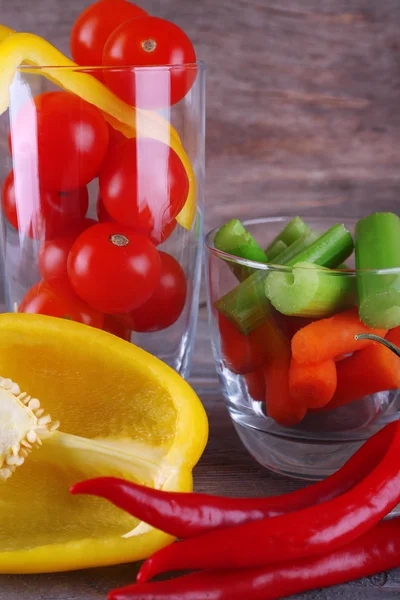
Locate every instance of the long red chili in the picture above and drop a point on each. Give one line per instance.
(309, 532)
(377, 550)
(186, 515)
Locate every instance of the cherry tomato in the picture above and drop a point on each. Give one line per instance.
(76, 229)
(150, 41)
(59, 141)
(114, 269)
(53, 255)
(117, 327)
(42, 215)
(255, 381)
(102, 214)
(95, 24)
(143, 185)
(114, 136)
(156, 237)
(166, 304)
(55, 298)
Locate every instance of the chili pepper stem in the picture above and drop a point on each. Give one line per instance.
(380, 340)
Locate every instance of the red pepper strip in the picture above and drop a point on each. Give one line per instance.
(309, 532)
(186, 515)
(377, 550)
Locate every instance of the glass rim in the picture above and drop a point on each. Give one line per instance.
(270, 266)
(198, 65)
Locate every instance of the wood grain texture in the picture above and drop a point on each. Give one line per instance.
(302, 98)
(303, 117)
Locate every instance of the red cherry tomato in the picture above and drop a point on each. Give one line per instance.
(150, 41)
(42, 215)
(166, 304)
(57, 299)
(143, 185)
(95, 24)
(59, 141)
(102, 214)
(114, 136)
(53, 257)
(117, 327)
(156, 237)
(76, 229)
(243, 353)
(256, 387)
(114, 269)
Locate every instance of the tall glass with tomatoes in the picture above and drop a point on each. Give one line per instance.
(102, 182)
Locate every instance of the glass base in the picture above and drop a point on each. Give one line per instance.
(295, 458)
(318, 446)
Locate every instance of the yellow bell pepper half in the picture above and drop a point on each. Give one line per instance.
(122, 413)
(17, 49)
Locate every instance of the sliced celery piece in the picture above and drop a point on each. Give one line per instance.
(246, 306)
(310, 291)
(234, 239)
(378, 247)
(295, 229)
(276, 249)
(298, 246)
(246, 303)
(329, 250)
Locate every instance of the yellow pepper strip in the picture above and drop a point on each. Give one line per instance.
(20, 48)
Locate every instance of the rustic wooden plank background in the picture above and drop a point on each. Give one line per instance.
(303, 117)
(303, 98)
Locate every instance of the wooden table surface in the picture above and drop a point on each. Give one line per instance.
(225, 468)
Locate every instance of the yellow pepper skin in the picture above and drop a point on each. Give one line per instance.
(18, 49)
(124, 413)
(5, 32)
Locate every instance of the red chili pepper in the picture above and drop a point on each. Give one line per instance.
(187, 515)
(377, 550)
(309, 532)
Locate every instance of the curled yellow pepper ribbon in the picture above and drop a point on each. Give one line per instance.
(17, 49)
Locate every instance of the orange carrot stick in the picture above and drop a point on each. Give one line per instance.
(281, 406)
(373, 369)
(313, 384)
(331, 337)
(255, 382)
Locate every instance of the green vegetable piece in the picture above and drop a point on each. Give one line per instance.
(329, 250)
(295, 229)
(234, 239)
(378, 247)
(245, 305)
(276, 249)
(294, 249)
(310, 291)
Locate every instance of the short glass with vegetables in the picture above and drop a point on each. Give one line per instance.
(103, 178)
(296, 309)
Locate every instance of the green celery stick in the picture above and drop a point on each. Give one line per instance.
(276, 249)
(298, 246)
(329, 250)
(378, 247)
(295, 229)
(310, 291)
(245, 304)
(234, 239)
